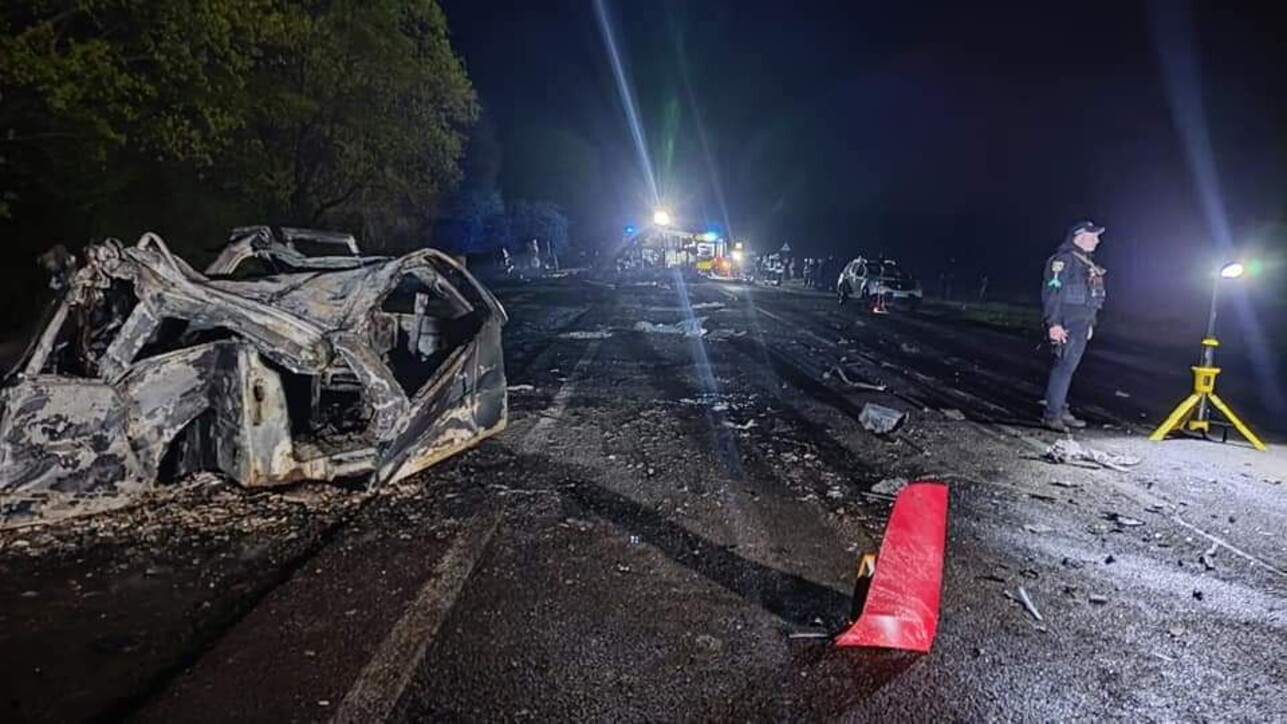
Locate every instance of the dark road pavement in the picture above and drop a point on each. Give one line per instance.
(670, 528)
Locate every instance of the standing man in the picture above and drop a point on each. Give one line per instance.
(1071, 296)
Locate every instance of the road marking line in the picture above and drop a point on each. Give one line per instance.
(812, 335)
(382, 682)
(730, 294)
(1221, 542)
(540, 432)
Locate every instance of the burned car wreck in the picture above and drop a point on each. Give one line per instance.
(275, 365)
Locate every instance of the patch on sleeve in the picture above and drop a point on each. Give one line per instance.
(1056, 266)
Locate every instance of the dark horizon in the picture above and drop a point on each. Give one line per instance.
(955, 139)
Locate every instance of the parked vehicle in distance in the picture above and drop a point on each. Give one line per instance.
(878, 282)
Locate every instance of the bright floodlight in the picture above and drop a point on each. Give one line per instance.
(1232, 270)
(661, 217)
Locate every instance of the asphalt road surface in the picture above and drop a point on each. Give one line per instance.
(669, 530)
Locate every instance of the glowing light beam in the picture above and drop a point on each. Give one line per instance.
(627, 97)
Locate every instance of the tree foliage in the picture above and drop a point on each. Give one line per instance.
(300, 109)
(541, 220)
(188, 116)
(475, 222)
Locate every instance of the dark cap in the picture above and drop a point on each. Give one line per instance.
(1086, 225)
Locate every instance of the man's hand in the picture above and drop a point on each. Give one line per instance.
(1058, 334)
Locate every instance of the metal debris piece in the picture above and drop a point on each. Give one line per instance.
(1028, 604)
(743, 426)
(587, 334)
(1123, 520)
(956, 415)
(889, 486)
(271, 367)
(1097, 599)
(724, 333)
(1038, 528)
(1121, 394)
(880, 419)
(691, 327)
(1207, 559)
(839, 372)
(1066, 451)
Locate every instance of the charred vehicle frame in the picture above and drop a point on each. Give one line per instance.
(273, 366)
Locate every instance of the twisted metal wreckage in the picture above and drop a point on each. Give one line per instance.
(275, 365)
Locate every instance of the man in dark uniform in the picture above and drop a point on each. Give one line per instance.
(1072, 294)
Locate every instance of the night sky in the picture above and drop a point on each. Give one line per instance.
(954, 137)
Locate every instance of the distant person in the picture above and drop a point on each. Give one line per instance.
(534, 254)
(822, 271)
(1071, 295)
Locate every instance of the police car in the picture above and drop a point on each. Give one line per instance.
(878, 283)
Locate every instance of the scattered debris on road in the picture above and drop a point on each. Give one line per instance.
(1065, 451)
(724, 334)
(1121, 394)
(587, 334)
(880, 419)
(685, 327)
(1038, 528)
(889, 486)
(1028, 604)
(1207, 559)
(956, 415)
(839, 372)
(1123, 520)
